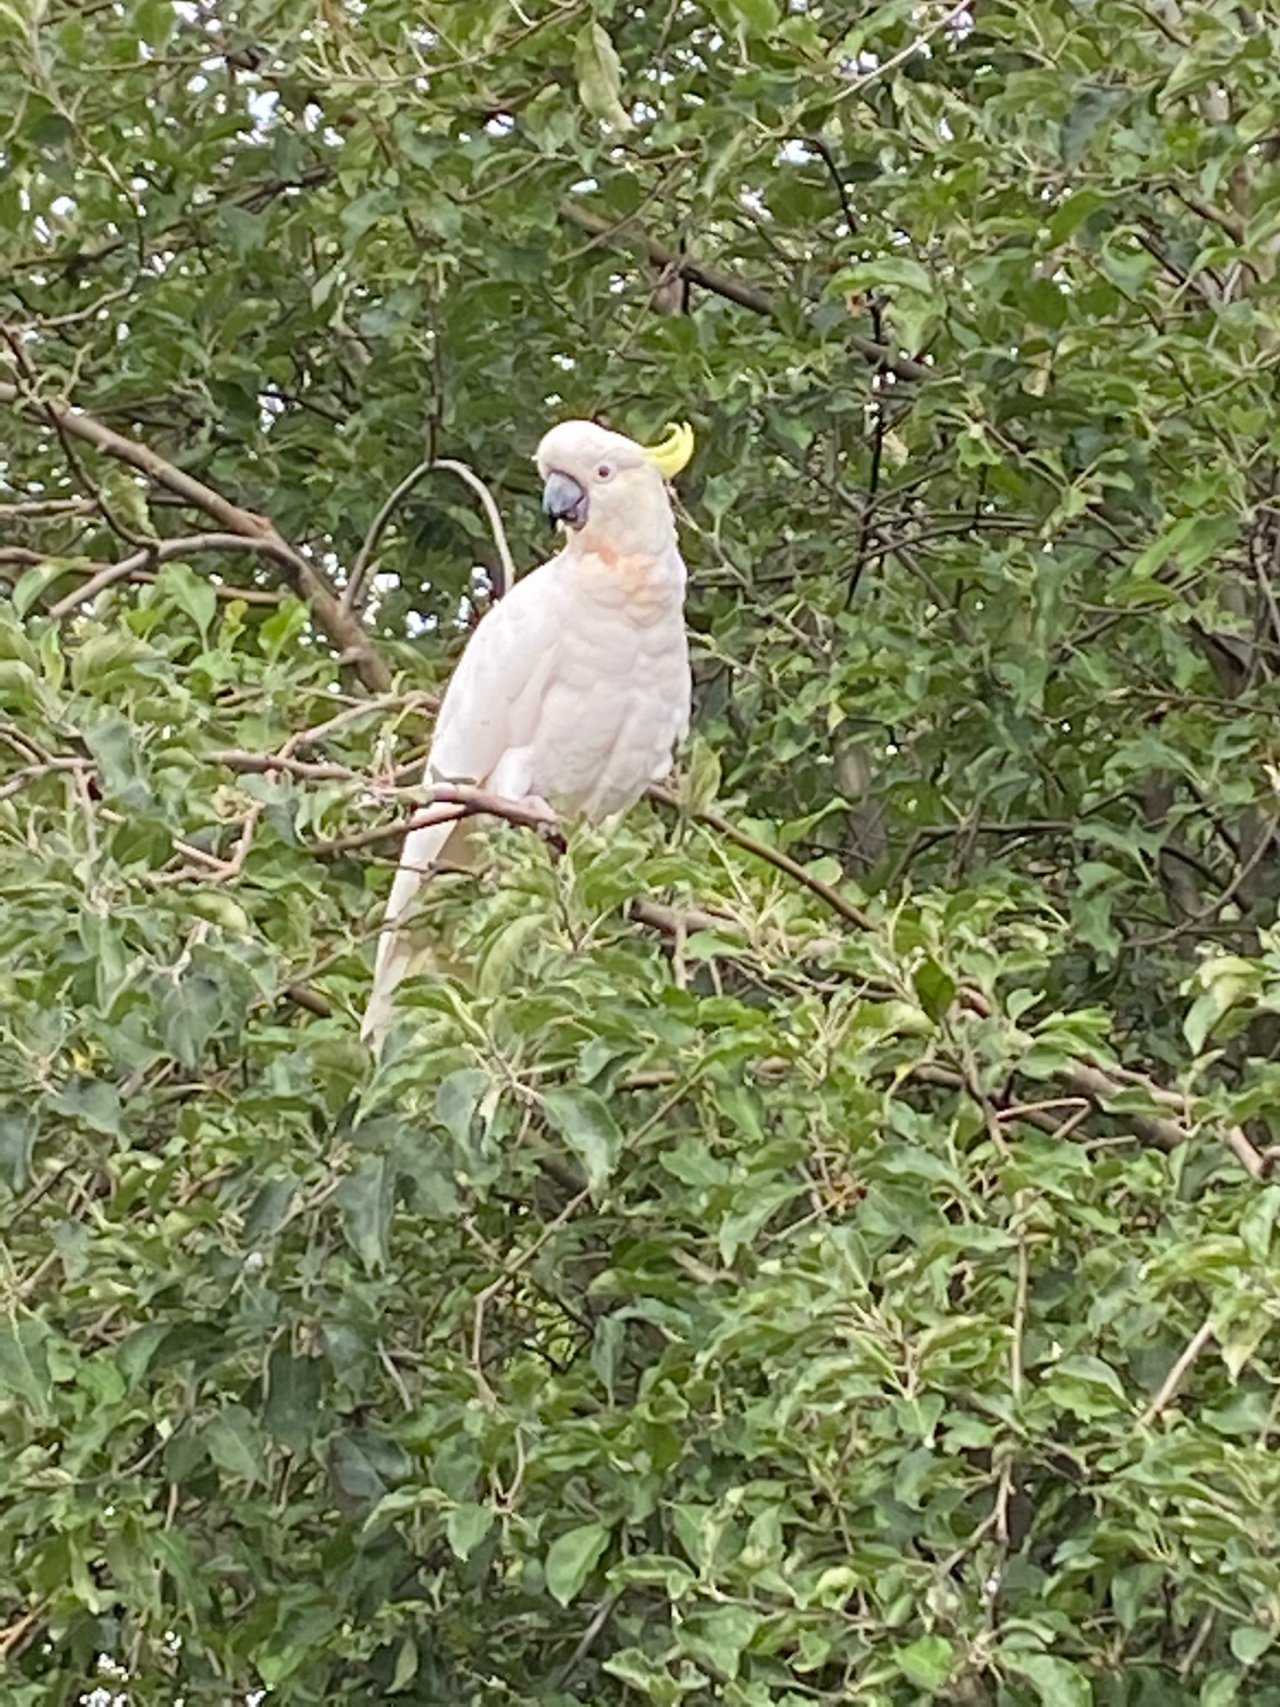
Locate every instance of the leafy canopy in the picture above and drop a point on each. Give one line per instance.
(813, 1242)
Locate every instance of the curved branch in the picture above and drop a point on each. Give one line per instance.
(508, 570)
(163, 551)
(353, 595)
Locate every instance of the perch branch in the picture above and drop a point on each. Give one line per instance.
(448, 802)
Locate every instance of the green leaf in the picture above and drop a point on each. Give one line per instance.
(113, 742)
(231, 1437)
(600, 77)
(1260, 120)
(1258, 1223)
(583, 1120)
(926, 1662)
(18, 1129)
(1089, 111)
(1249, 1643)
(936, 989)
(572, 1558)
(125, 494)
(354, 1471)
(1057, 1683)
(885, 271)
(366, 1199)
(294, 1387)
(1192, 540)
(24, 1366)
(179, 584)
(702, 776)
(20, 687)
(189, 1014)
(718, 1638)
(758, 17)
(466, 1527)
(1220, 1689)
(406, 1667)
(93, 1102)
(33, 583)
(1228, 981)
(458, 1101)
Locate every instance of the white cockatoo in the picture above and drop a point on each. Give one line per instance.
(574, 690)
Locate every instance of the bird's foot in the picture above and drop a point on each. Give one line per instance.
(545, 821)
(538, 808)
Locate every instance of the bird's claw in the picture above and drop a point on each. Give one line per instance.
(546, 823)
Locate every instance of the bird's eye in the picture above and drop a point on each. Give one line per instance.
(604, 472)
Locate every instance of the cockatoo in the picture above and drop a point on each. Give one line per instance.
(574, 690)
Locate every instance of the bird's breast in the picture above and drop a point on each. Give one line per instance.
(614, 709)
(644, 586)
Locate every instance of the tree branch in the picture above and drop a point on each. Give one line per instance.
(838, 903)
(1174, 1379)
(339, 626)
(352, 596)
(448, 802)
(1084, 1078)
(163, 551)
(747, 295)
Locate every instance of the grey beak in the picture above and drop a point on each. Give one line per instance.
(564, 500)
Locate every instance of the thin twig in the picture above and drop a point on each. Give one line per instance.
(918, 39)
(353, 593)
(1174, 1379)
(509, 1271)
(12, 1639)
(1203, 1631)
(32, 773)
(873, 487)
(599, 1618)
(773, 856)
(741, 291)
(1244, 870)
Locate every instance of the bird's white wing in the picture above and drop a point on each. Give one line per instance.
(484, 734)
(491, 705)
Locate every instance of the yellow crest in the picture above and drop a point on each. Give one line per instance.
(673, 449)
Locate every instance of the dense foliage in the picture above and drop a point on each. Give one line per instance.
(817, 1245)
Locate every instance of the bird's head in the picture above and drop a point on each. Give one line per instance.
(608, 490)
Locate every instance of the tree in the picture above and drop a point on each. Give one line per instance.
(820, 1246)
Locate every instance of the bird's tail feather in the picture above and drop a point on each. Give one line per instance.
(398, 953)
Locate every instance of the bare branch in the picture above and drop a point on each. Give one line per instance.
(163, 551)
(352, 597)
(32, 773)
(306, 770)
(25, 509)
